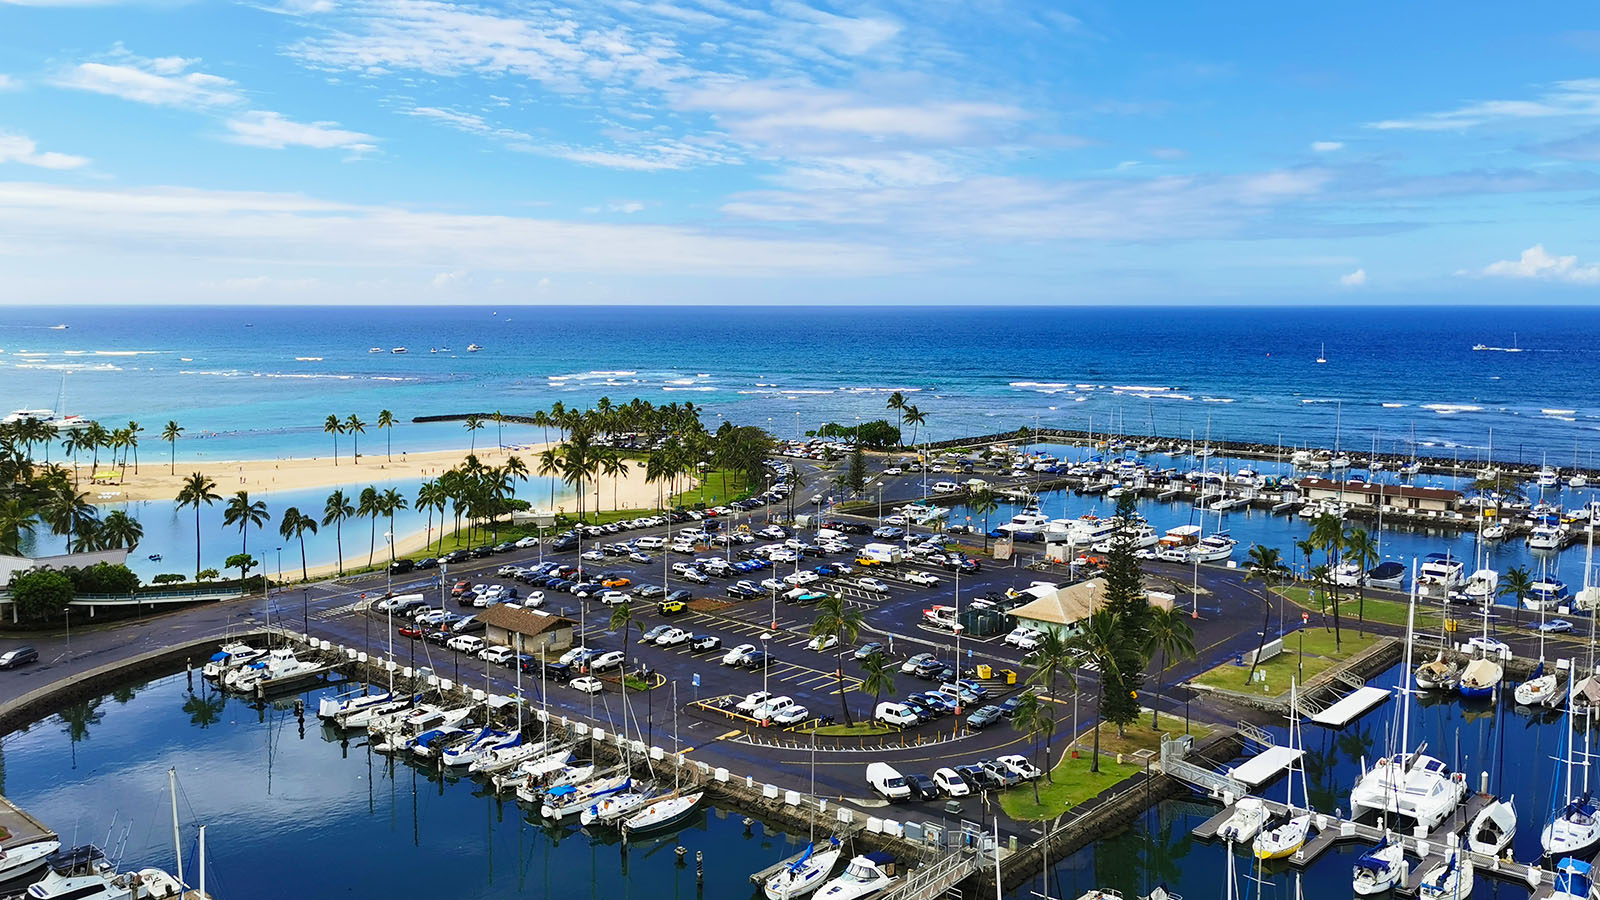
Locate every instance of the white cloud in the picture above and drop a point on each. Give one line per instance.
(627, 207)
(800, 115)
(445, 279)
(177, 228)
(1537, 263)
(18, 149)
(472, 123)
(1327, 146)
(1358, 278)
(161, 82)
(1579, 97)
(259, 128)
(9, 83)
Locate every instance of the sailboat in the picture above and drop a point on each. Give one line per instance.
(1322, 355)
(1438, 673)
(1380, 868)
(1449, 879)
(1573, 829)
(805, 874)
(1409, 783)
(343, 705)
(669, 809)
(1542, 689)
(1482, 675)
(1288, 838)
(1574, 880)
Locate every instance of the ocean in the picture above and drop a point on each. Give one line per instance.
(253, 382)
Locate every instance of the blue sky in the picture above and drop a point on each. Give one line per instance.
(424, 151)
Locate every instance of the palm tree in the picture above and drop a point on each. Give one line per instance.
(1103, 641)
(197, 489)
(431, 496)
(389, 503)
(499, 428)
(16, 518)
(333, 426)
(897, 402)
(836, 617)
(386, 425)
(983, 502)
(1265, 565)
(1052, 657)
(1361, 549)
(612, 466)
(355, 427)
(170, 434)
(622, 620)
(1518, 583)
(131, 441)
(241, 511)
(1034, 719)
(1171, 636)
(335, 512)
(293, 526)
(1328, 533)
(550, 467)
(97, 436)
(474, 424)
(121, 530)
(915, 418)
(1306, 547)
(367, 508)
(876, 677)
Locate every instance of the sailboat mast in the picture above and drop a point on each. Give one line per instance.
(1405, 667)
(177, 842)
(202, 862)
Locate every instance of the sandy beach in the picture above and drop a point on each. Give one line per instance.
(154, 482)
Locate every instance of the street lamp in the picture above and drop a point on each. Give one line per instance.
(305, 613)
(388, 541)
(280, 565)
(765, 658)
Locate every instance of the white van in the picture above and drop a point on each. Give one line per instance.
(897, 714)
(888, 782)
(831, 534)
(880, 554)
(401, 603)
(945, 487)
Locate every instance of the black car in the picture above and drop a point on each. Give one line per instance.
(980, 778)
(564, 543)
(924, 711)
(679, 594)
(927, 670)
(505, 546)
(742, 591)
(755, 659)
(559, 584)
(455, 556)
(401, 566)
(922, 787)
(438, 637)
(483, 552)
(1008, 706)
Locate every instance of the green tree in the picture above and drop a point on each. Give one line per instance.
(355, 428)
(1102, 640)
(389, 503)
(1052, 657)
(897, 402)
(244, 562)
(1035, 720)
(386, 425)
(474, 424)
(1130, 611)
(916, 418)
(17, 518)
(245, 513)
(207, 575)
(170, 434)
(332, 425)
(293, 526)
(835, 616)
(856, 479)
(1265, 565)
(1327, 532)
(982, 502)
(876, 677)
(368, 507)
(622, 620)
(1362, 550)
(1173, 638)
(197, 490)
(121, 530)
(336, 511)
(41, 594)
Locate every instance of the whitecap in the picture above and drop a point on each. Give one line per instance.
(1448, 409)
(1393, 405)
(1139, 387)
(1040, 384)
(1216, 399)
(1559, 412)
(688, 389)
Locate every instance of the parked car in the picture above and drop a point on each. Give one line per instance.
(874, 585)
(984, 716)
(898, 714)
(823, 642)
(427, 562)
(999, 774)
(1019, 765)
(497, 655)
(951, 783)
(18, 656)
(755, 659)
(732, 657)
(753, 701)
(922, 787)
(911, 664)
(610, 659)
(672, 637)
(401, 566)
(868, 650)
(672, 607)
(655, 632)
(465, 643)
(587, 684)
(790, 715)
(1556, 626)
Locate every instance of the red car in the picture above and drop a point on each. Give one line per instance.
(410, 631)
(460, 588)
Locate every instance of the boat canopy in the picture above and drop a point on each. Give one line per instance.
(1371, 859)
(880, 857)
(1386, 570)
(220, 655)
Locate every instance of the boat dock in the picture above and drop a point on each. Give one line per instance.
(1330, 830)
(1266, 765)
(1351, 707)
(17, 827)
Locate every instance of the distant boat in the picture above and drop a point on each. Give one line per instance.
(1483, 348)
(58, 328)
(374, 349)
(1322, 357)
(398, 350)
(473, 348)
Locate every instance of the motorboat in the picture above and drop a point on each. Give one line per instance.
(1414, 785)
(1542, 690)
(1437, 674)
(342, 705)
(1029, 521)
(1578, 480)
(665, 812)
(1482, 585)
(1387, 576)
(1493, 827)
(1545, 537)
(230, 656)
(280, 669)
(398, 350)
(1380, 869)
(609, 810)
(1480, 678)
(1547, 477)
(1574, 880)
(473, 348)
(1249, 814)
(1090, 530)
(1448, 879)
(1411, 469)
(1285, 839)
(1494, 531)
(1347, 574)
(572, 799)
(1215, 548)
(84, 873)
(1181, 537)
(1546, 594)
(1140, 536)
(26, 857)
(486, 740)
(1440, 570)
(805, 874)
(864, 876)
(1339, 462)
(374, 349)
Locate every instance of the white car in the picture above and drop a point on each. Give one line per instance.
(615, 598)
(607, 660)
(923, 578)
(649, 542)
(497, 655)
(528, 543)
(594, 555)
(534, 600)
(1489, 646)
(804, 576)
(894, 470)
(509, 570)
(1023, 638)
(875, 585)
(1019, 764)
(951, 783)
(466, 643)
(588, 684)
(790, 715)
(732, 657)
(823, 642)
(774, 584)
(753, 701)
(672, 637)
(772, 706)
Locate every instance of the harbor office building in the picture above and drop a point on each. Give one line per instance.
(527, 631)
(1063, 609)
(1390, 497)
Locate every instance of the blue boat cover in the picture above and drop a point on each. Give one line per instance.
(219, 656)
(1371, 860)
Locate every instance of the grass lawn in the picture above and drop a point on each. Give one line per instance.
(1388, 612)
(1319, 656)
(1139, 735)
(1070, 784)
(859, 728)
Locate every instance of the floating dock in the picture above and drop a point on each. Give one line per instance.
(1351, 707)
(1265, 766)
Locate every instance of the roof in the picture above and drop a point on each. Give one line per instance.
(522, 621)
(1073, 603)
(1386, 490)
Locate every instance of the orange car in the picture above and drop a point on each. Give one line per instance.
(618, 581)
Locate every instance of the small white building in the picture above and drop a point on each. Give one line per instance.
(1063, 609)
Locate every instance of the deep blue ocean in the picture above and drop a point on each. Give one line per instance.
(250, 382)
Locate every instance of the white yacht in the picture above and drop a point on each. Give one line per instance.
(572, 799)
(1029, 521)
(863, 877)
(473, 348)
(364, 716)
(1143, 536)
(1090, 530)
(486, 740)
(1546, 594)
(1574, 828)
(1440, 570)
(500, 759)
(1387, 576)
(1410, 784)
(26, 856)
(1578, 480)
(1483, 585)
(805, 874)
(612, 809)
(230, 656)
(1347, 574)
(341, 706)
(1548, 478)
(1545, 537)
(281, 669)
(1214, 548)
(398, 350)
(1249, 814)
(83, 873)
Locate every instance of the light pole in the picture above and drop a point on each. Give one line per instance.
(280, 565)
(774, 605)
(388, 541)
(305, 613)
(958, 640)
(765, 658)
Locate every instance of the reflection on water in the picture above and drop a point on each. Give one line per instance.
(297, 810)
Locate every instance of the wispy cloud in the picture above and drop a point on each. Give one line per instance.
(1327, 146)
(1536, 263)
(9, 83)
(1355, 279)
(161, 81)
(15, 148)
(1564, 99)
(258, 128)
